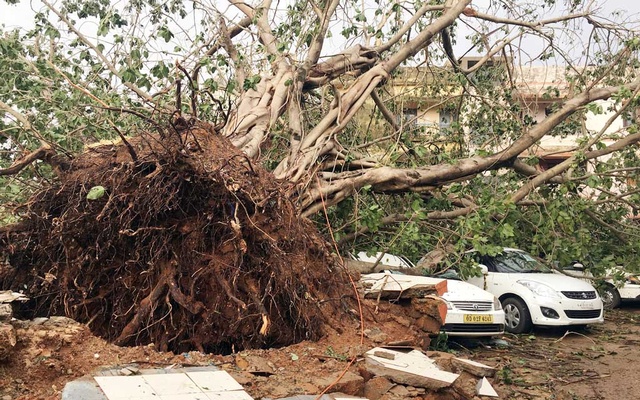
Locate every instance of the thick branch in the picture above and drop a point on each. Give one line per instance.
(43, 153)
(533, 25)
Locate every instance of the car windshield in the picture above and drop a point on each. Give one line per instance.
(519, 262)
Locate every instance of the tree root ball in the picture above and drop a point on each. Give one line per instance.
(175, 239)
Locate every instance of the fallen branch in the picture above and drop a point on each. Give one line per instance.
(43, 153)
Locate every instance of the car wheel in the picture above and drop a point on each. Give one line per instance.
(516, 315)
(610, 296)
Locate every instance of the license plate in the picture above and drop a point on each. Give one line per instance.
(477, 319)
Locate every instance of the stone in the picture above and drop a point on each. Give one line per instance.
(400, 391)
(6, 312)
(465, 385)
(350, 383)
(376, 387)
(375, 334)
(7, 340)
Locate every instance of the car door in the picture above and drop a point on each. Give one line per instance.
(491, 280)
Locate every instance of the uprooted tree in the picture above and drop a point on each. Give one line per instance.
(173, 230)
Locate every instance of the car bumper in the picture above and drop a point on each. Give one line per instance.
(569, 311)
(629, 291)
(455, 325)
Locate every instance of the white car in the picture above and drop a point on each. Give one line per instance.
(612, 294)
(385, 259)
(471, 312)
(533, 294)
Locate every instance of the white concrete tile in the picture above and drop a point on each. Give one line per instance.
(169, 384)
(190, 396)
(214, 381)
(229, 395)
(125, 387)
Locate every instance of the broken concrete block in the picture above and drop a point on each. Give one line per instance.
(350, 383)
(396, 286)
(484, 388)
(428, 324)
(376, 387)
(409, 368)
(473, 367)
(432, 306)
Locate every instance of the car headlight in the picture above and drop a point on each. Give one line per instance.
(496, 304)
(540, 289)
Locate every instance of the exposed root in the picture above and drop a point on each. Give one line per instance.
(191, 247)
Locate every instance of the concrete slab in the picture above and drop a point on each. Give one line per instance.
(197, 383)
(125, 387)
(389, 285)
(412, 368)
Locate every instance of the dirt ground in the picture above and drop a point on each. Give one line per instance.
(600, 362)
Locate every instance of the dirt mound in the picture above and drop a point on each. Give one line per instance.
(175, 239)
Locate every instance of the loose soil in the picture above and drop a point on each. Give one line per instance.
(600, 362)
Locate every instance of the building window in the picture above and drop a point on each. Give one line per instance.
(408, 121)
(447, 117)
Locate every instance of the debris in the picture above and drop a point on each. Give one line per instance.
(484, 388)
(332, 396)
(376, 387)
(375, 334)
(499, 342)
(386, 285)
(7, 332)
(7, 296)
(130, 370)
(348, 383)
(7, 340)
(409, 368)
(473, 367)
(184, 383)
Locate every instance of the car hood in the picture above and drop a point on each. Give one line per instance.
(556, 281)
(463, 291)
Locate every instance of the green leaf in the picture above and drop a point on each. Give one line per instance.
(96, 192)
(165, 33)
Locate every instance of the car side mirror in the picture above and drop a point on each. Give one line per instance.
(577, 266)
(484, 269)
